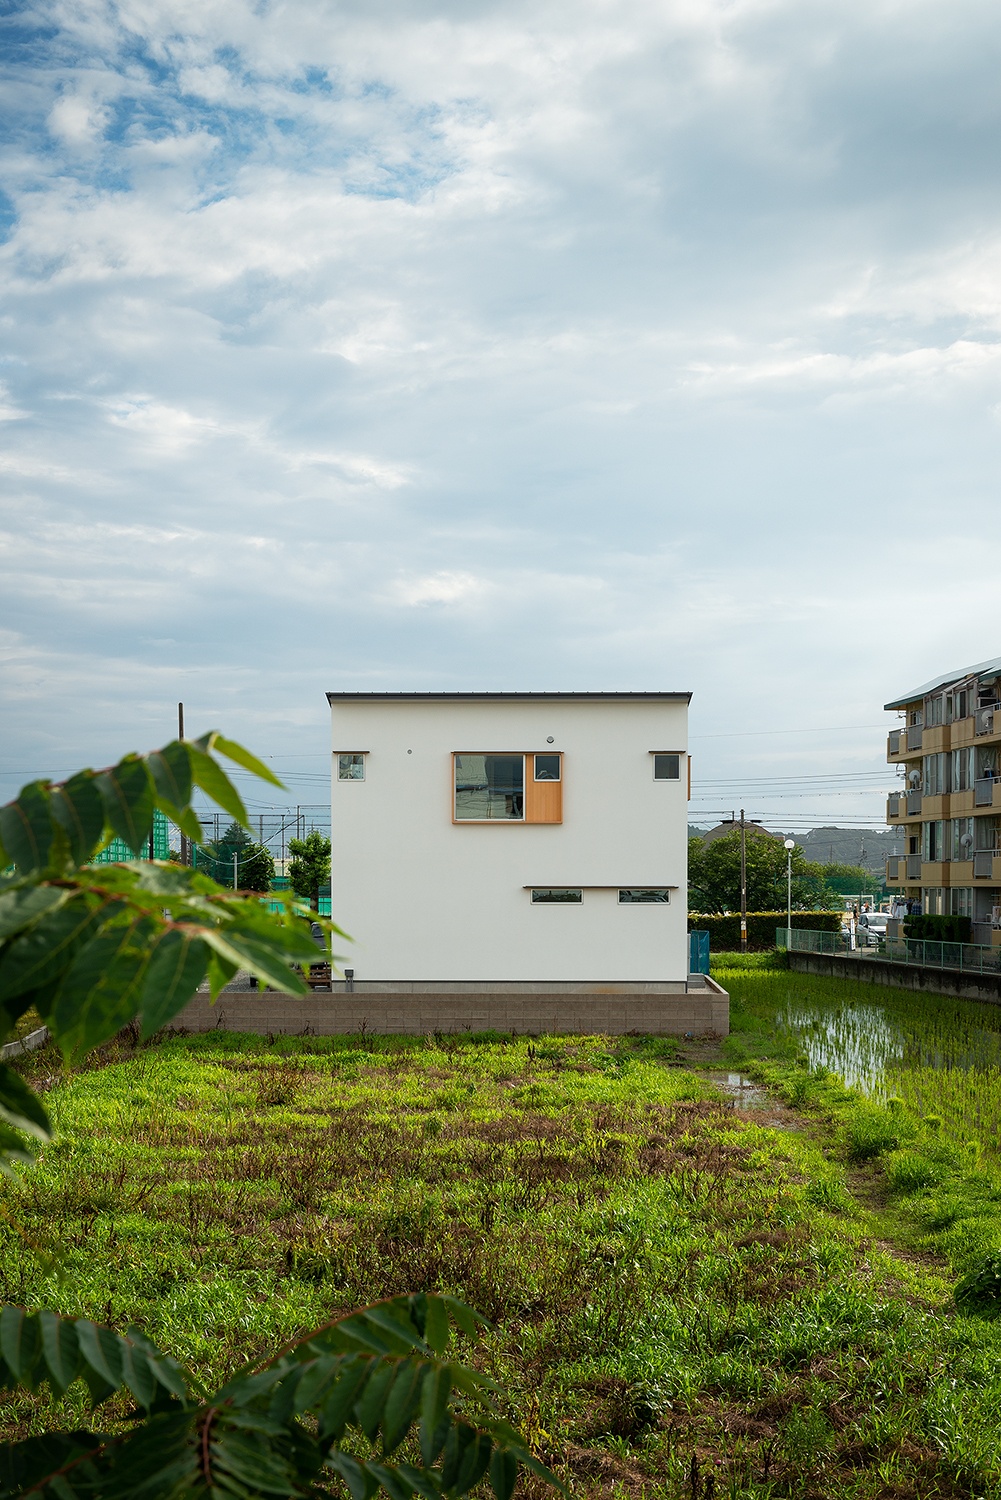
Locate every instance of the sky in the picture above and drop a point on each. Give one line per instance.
(541, 345)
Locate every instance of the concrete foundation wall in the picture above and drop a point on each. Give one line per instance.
(983, 987)
(616, 1010)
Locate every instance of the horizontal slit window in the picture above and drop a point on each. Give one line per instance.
(644, 895)
(557, 895)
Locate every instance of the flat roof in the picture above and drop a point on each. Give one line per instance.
(989, 667)
(503, 697)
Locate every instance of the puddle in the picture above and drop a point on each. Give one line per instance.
(745, 1093)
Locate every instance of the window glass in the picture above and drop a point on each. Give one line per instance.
(649, 893)
(565, 893)
(667, 767)
(351, 768)
(489, 787)
(547, 767)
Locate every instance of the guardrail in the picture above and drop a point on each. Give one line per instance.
(971, 958)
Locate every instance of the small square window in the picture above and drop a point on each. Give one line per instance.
(351, 767)
(667, 768)
(648, 894)
(564, 895)
(547, 767)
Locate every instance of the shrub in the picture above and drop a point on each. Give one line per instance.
(724, 931)
(869, 1132)
(939, 929)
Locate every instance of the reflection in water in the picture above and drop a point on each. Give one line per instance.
(942, 1056)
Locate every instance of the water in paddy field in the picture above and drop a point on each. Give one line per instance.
(941, 1056)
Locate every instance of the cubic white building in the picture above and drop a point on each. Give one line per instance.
(486, 838)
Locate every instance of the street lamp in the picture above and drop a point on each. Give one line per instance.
(790, 845)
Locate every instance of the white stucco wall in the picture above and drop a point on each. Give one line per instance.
(426, 899)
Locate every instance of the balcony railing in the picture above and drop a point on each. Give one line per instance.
(913, 804)
(893, 805)
(913, 867)
(892, 866)
(914, 737)
(893, 742)
(985, 721)
(983, 864)
(983, 791)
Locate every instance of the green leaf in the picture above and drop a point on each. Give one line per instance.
(20, 1342)
(339, 1403)
(356, 1476)
(503, 1473)
(213, 780)
(402, 1403)
(102, 989)
(102, 1350)
(435, 1395)
(468, 1320)
(245, 759)
(176, 968)
(42, 954)
(61, 1350)
(473, 1466)
(371, 1403)
(460, 1438)
(137, 1375)
(20, 1108)
(127, 793)
(20, 907)
(265, 962)
(221, 971)
(26, 828)
(78, 810)
(170, 769)
(436, 1329)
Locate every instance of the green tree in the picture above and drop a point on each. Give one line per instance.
(93, 948)
(309, 867)
(850, 880)
(714, 875)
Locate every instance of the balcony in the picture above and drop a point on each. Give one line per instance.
(893, 743)
(914, 804)
(983, 864)
(913, 867)
(893, 808)
(983, 791)
(984, 721)
(892, 866)
(914, 737)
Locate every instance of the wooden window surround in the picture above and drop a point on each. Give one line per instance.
(542, 786)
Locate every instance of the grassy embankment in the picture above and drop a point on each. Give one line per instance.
(667, 1279)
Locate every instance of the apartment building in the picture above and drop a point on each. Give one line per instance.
(511, 837)
(949, 808)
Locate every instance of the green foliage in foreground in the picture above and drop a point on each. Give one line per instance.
(665, 1277)
(377, 1375)
(91, 948)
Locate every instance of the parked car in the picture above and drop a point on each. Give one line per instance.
(871, 927)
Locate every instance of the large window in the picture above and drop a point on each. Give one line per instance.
(507, 787)
(490, 786)
(643, 895)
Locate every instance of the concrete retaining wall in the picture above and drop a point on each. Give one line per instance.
(983, 987)
(699, 1009)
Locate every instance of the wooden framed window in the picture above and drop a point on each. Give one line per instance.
(507, 787)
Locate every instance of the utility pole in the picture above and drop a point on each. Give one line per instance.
(745, 823)
(180, 736)
(236, 857)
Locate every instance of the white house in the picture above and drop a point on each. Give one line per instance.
(511, 837)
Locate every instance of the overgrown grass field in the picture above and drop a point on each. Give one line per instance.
(685, 1301)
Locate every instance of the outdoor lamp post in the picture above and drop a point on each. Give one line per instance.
(790, 845)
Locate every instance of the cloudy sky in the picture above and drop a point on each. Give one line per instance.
(499, 344)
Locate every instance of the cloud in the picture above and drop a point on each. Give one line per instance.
(535, 344)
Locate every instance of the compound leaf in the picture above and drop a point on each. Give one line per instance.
(26, 828)
(127, 793)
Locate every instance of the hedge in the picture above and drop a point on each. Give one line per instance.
(939, 929)
(724, 931)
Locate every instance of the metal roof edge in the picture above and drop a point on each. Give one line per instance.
(459, 697)
(994, 664)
